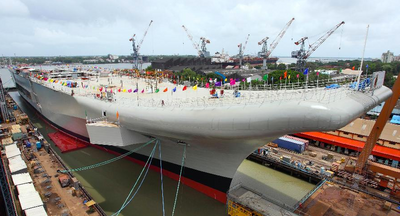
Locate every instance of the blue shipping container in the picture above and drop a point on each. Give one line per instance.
(290, 144)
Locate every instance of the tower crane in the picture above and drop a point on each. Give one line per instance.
(302, 55)
(136, 48)
(201, 51)
(265, 53)
(241, 50)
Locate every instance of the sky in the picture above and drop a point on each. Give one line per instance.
(101, 27)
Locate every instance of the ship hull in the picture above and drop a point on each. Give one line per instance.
(212, 185)
(219, 138)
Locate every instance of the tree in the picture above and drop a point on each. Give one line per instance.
(281, 67)
(149, 68)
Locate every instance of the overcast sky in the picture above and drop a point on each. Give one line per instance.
(100, 27)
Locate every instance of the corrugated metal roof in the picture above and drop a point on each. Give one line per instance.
(22, 178)
(30, 200)
(391, 132)
(37, 211)
(16, 164)
(26, 189)
(12, 151)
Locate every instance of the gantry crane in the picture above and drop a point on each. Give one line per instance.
(302, 55)
(201, 51)
(241, 50)
(136, 49)
(376, 131)
(265, 53)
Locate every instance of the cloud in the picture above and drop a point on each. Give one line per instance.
(90, 27)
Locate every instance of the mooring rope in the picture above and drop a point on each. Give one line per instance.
(179, 181)
(162, 181)
(107, 161)
(145, 167)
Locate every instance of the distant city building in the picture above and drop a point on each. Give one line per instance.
(113, 57)
(387, 57)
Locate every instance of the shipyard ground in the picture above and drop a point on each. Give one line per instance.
(334, 199)
(43, 165)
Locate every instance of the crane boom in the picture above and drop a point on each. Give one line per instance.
(145, 33)
(195, 45)
(274, 43)
(380, 123)
(245, 43)
(321, 40)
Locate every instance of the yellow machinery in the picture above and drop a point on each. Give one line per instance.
(236, 209)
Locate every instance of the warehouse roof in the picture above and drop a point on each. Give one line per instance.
(391, 132)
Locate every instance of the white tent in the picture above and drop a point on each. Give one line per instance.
(12, 151)
(17, 165)
(37, 211)
(30, 200)
(22, 178)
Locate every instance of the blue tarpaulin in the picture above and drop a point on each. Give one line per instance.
(395, 119)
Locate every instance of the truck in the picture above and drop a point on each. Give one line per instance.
(64, 180)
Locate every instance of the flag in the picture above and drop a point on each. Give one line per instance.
(174, 89)
(265, 77)
(305, 71)
(111, 91)
(280, 77)
(272, 78)
(157, 90)
(297, 76)
(210, 80)
(142, 91)
(218, 84)
(232, 82)
(136, 90)
(285, 75)
(340, 71)
(195, 87)
(124, 90)
(117, 115)
(119, 90)
(207, 85)
(289, 77)
(248, 79)
(130, 90)
(184, 88)
(367, 66)
(165, 90)
(226, 79)
(243, 79)
(353, 68)
(317, 73)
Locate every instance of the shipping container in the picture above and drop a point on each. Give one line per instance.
(306, 142)
(290, 144)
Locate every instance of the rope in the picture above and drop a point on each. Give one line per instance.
(145, 167)
(162, 181)
(107, 161)
(179, 182)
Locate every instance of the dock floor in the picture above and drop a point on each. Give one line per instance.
(333, 199)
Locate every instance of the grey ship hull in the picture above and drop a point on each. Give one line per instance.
(219, 139)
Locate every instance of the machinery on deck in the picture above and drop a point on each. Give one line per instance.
(302, 55)
(202, 50)
(136, 49)
(265, 53)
